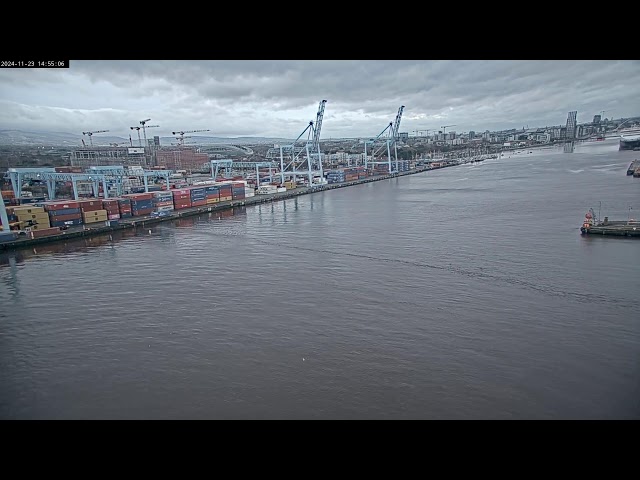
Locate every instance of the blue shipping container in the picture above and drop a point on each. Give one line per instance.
(64, 211)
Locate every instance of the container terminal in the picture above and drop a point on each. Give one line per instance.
(112, 197)
(36, 221)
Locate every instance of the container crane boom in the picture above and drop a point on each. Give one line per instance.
(396, 124)
(318, 126)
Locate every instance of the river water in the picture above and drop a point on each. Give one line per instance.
(460, 293)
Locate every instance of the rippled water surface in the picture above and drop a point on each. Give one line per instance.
(463, 293)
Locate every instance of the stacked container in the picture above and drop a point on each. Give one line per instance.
(124, 205)
(198, 196)
(162, 201)
(212, 194)
(7, 195)
(31, 217)
(112, 208)
(92, 211)
(267, 189)
(335, 176)
(141, 203)
(226, 192)
(237, 191)
(249, 191)
(181, 198)
(63, 213)
(94, 216)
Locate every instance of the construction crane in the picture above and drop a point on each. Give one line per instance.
(138, 129)
(91, 134)
(181, 136)
(144, 127)
(444, 128)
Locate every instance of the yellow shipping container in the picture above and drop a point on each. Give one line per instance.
(95, 219)
(25, 210)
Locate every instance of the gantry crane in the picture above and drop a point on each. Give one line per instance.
(181, 136)
(392, 135)
(303, 165)
(91, 134)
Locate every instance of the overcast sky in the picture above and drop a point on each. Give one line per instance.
(279, 98)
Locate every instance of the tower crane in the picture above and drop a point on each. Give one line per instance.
(139, 140)
(91, 134)
(444, 128)
(144, 127)
(181, 136)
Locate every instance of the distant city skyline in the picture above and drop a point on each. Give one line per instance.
(279, 98)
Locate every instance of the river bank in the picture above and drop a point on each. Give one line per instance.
(87, 230)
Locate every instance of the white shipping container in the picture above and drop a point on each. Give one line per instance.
(164, 208)
(267, 189)
(281, 189)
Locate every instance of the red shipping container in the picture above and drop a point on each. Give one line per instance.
(61, 205)
(182, 191)
(44, 232)
(139, 196)
(143, 212)
(199, 203)
(66, 218)
(113, 216)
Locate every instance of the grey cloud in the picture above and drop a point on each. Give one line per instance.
(279, 98)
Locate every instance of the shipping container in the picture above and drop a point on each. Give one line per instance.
(64, 218)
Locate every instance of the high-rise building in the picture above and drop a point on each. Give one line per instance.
(597, 118)
(571, 125)
(472, 134)
(156, 141)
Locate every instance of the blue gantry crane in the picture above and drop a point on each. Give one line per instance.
(380, 142)
(313, 157)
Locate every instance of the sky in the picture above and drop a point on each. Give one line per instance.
(262, 98)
